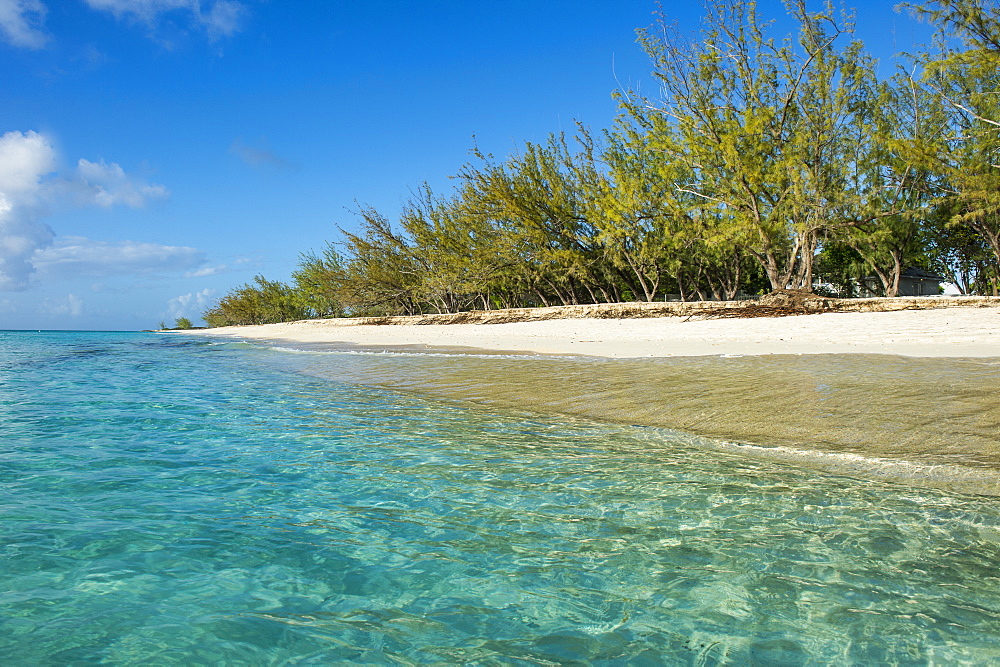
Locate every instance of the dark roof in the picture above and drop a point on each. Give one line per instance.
(913, 273)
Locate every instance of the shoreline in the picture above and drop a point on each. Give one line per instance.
(828, 391)
(939, 329)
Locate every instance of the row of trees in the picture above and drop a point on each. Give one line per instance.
(762, 163)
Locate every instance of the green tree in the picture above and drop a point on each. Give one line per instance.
(182, 323)
(959, 253)
(890, 189)
(536, 199)
(460, 255)
(656, 227)
(976, 23)
(629, 202)
(760, 124)
(381, 275)
(965, 78)
(318, 283)
(264, 302)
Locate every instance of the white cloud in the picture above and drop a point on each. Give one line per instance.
(107, 185)
(25, 160)
(71, 304)
(219, 19)
(224, 18)
(30, 187)
(190, 305)
(79, 256)
(207, 271)
(21, 23)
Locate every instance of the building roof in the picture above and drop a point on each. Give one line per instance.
(913, 273)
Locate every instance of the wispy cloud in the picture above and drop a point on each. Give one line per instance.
(207, 271)
(256, 156)
(79, 256)
(192, 304)
(71, 305)
(21, 23)
(219, 19)
(108, 185)
(91, 57)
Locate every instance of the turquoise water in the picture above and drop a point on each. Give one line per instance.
(173, 500)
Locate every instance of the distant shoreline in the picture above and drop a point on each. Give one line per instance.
(908, 326)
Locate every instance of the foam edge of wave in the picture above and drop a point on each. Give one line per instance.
(954, 478)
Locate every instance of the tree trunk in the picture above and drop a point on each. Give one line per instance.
(807, 256)
(648, 291)
(897, 272)
(993, 239)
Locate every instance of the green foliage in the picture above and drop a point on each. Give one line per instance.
(964, 152)
(264, 302)
(317, 283)
(535, 201)
(975, 22)
(776, 137)
(381, 277)
(959, 253)
(182, 323)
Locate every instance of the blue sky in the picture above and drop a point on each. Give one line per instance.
(156, 153)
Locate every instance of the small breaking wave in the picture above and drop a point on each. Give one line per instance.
(962, 479)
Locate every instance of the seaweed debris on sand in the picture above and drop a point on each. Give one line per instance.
(779, 303)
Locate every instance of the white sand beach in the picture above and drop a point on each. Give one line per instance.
(958, 331)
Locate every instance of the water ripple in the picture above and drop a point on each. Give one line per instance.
(217, 508)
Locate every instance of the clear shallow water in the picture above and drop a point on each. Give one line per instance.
(172, 500)
(915, 421)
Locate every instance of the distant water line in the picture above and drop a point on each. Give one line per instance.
(181, 500)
